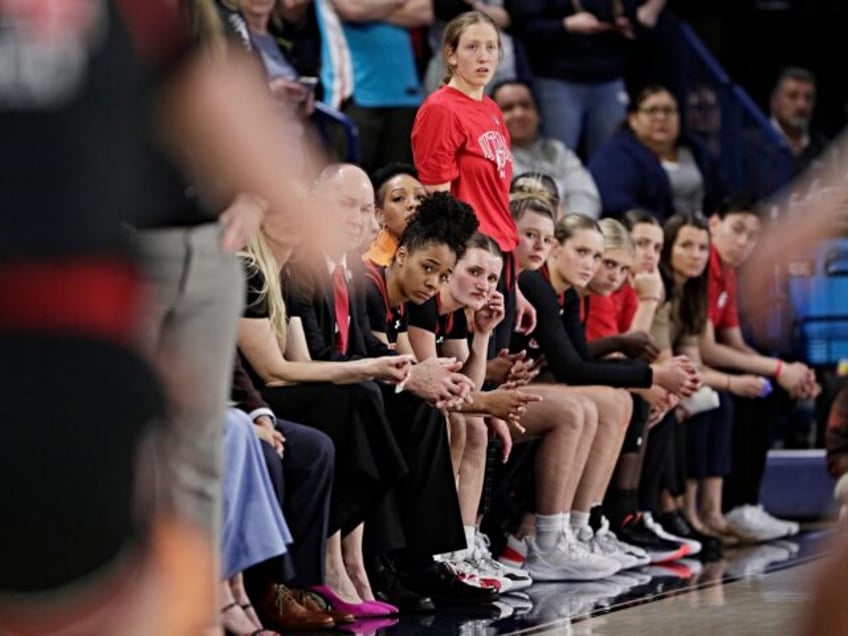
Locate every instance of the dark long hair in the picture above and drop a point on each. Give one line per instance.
(693, 294)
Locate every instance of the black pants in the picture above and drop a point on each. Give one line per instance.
(368, 461)
(423, 510)
(384, 134)
(708, 440)
(658, 455)
(752, 431)
(77, 414)
(303, 481)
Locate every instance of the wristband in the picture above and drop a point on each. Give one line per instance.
(644, 299)
(257, 413)
(779, 370)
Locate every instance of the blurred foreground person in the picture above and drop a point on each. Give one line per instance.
(821, 214)
(85, 548)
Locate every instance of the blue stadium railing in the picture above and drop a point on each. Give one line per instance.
(753, 157)
(722, 115)
(807, 299)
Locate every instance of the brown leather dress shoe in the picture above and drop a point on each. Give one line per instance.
(279, 609)
(313, 604)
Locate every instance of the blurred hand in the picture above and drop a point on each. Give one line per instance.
(241, 221)
(648, 284)
(266, 431)
(625, 27)
(498, 429)
(393, 369)
(678, 376)
(289, 90)
(509, 405)
(525, 314)
(750, 386)
(490, 315)
(585, 23)
(639, 344)
(438, 381)
(795, 377)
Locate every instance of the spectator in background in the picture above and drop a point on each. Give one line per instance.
(791, 105)
(446, 10)
(649, 164)
(735, 229)
(792, 102)
(386, 90)
(397, 194)
(545, 155)
(578, 52)
(295, 97)
(703, 116)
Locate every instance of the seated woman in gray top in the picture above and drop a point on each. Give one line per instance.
(533, 153)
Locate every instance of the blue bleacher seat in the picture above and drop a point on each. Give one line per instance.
(819, 301)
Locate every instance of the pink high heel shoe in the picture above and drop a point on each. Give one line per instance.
(366, 609)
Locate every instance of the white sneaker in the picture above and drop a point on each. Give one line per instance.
(465, 571)
(757, 522)
(610, 543)
(657, 529)
(511, 579)
(558, 601)
(514, 553)
(604, 545)
(792, 527)
(568, 560)
(756, 559)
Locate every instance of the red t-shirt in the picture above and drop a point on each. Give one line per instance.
(723, 310)
(611, 315)
(463, 141)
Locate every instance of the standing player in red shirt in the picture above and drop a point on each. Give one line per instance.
(735, 229)
(461, 144)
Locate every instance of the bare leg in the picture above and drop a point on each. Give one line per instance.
(337, 577)
(354, 564)
(456, 427)
(690, 501)
(614, 410)
(711, 489)
(240, 597)
(667, 502)
(561, 420)
(472, 469)
(234, 618)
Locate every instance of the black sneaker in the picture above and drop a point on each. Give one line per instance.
(634, 531)
(677, 524)
(439, 582)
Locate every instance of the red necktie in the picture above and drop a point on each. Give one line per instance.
(341, 299)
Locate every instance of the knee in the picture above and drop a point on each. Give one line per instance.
(617, 407)
(458, 433)
(476, 434)
(590, 415)
(313, 448)
(321, 450)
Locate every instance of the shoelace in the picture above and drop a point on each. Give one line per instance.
(572, 546)
(283, 594)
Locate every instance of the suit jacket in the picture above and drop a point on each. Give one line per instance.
(308, 288)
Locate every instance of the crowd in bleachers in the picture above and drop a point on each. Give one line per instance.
(502, 346)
